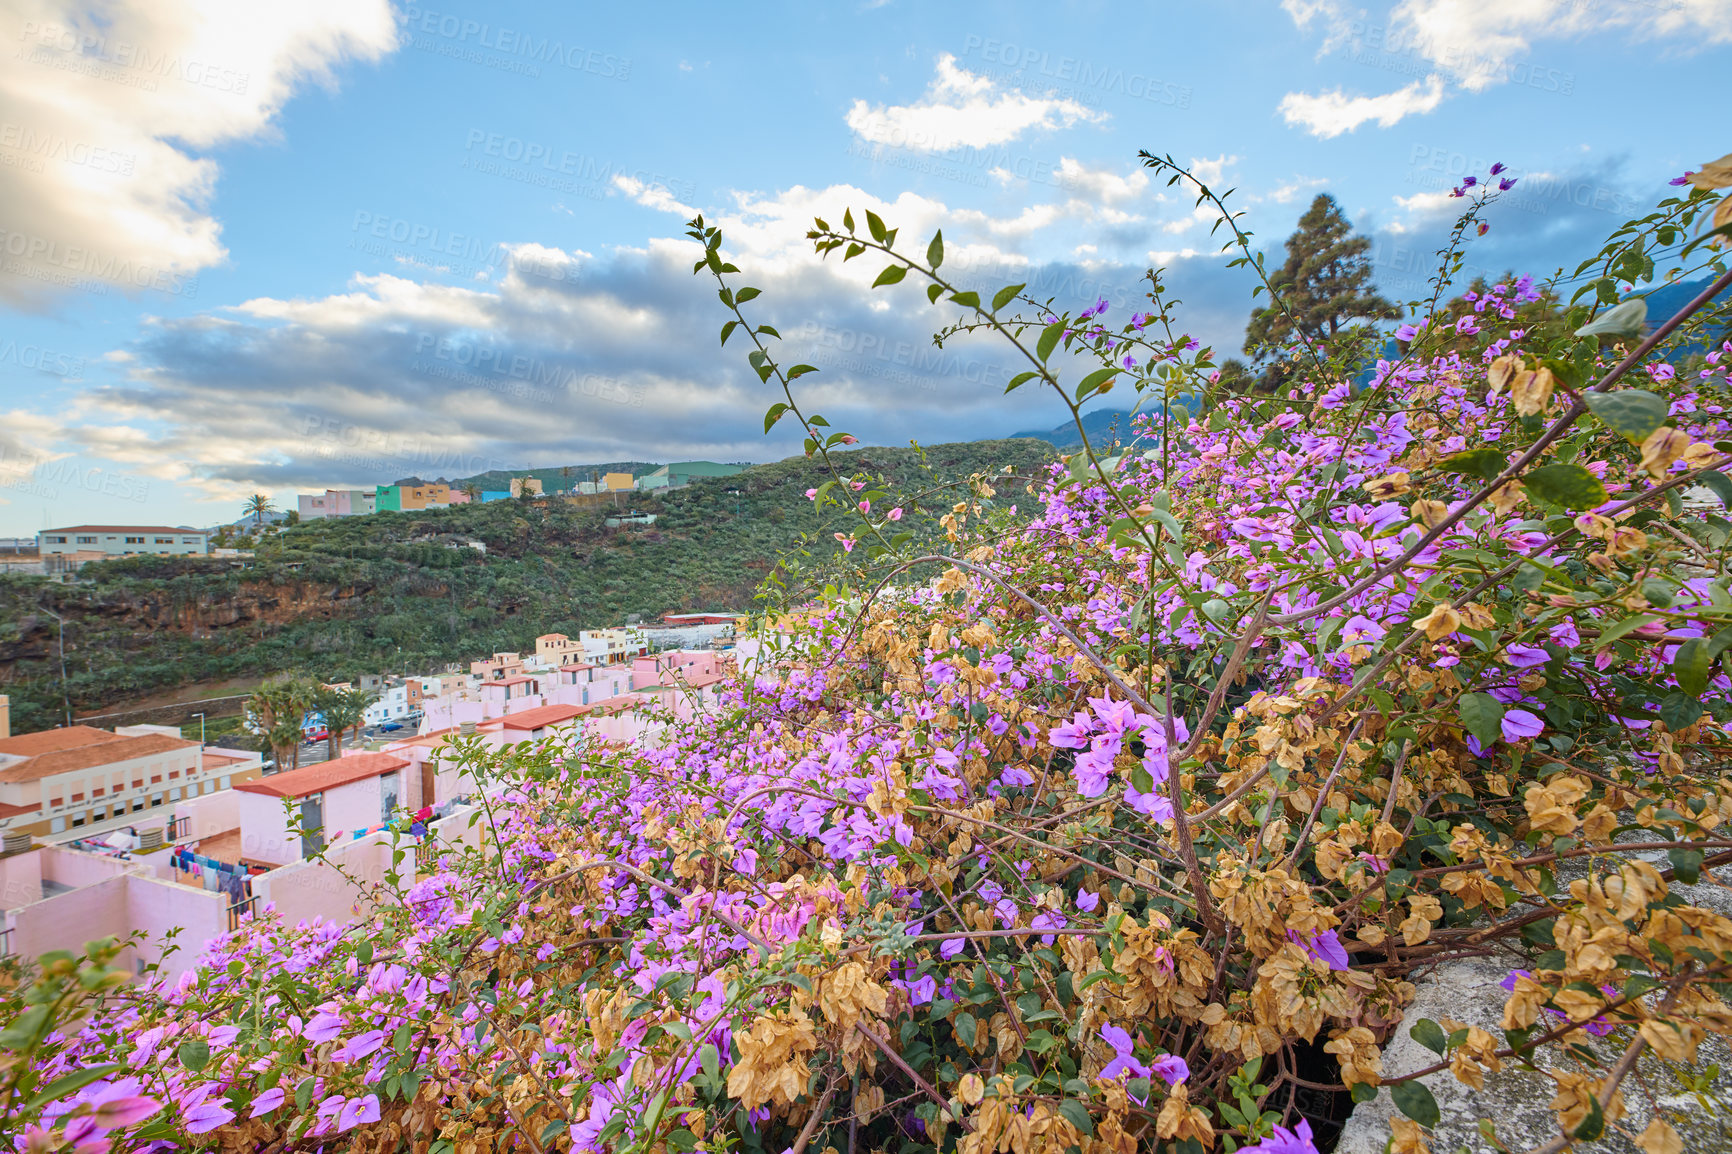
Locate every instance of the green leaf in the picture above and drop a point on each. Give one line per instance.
(1005, 295)
(1571, 486)
(1486, 463)
(933, 292)
(968, 300)
(69, 1083)
(1594, 1124)
(1020, 379)
(1430, 1035)
(710, 1059)
(1630, 412)
(1692, 666)
(1049, 338)
(965, 1026)
(1364, 1092)
(1626, 320)
(1688, 863)
(875, 225)
(557, 1127)
(1094, 381)
(799, 371)
(774, 414)
(194, 1055)
(747, 294)
(24, 1028)
(1482, 714)
(1077, 1115)
(891, 275)
(1414, 1100)
(1680, 711)
(848, 219)
(1717, 483)
(935, 250)
(678, 1141)
(1142, 779)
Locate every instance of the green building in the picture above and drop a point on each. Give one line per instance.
(682, 473)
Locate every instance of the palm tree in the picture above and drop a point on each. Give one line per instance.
(256, 507)
(473, 491)
(344, 710)
(278, 708)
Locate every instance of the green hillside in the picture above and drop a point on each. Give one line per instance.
(407, 592)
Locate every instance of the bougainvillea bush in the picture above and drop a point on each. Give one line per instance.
(1122, 821)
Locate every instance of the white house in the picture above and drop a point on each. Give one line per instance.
(123, 540)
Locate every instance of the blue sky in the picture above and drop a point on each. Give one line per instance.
(247, 249)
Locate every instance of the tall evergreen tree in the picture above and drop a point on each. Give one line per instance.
(1326, 284)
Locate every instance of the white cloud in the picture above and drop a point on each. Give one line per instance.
(1334, 16)
(1104, 185)
(567, 357)
(101, 116)
(1209, 171)
(1330, 114)
(1291, 190)
(1478, 42)
(654, 196)
(963, 109)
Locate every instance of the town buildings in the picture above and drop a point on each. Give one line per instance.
(122, 540)
(337, 503)
(679, 474)
(80, 777)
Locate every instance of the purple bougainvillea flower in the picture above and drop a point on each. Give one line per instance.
(357, 1112)
(1170, 1068)
(323, 1028)
(1124, 1057)
(1519, 723)
(1527, 656)
(113, 1113)
(267, 1101)
(1326, 947)
(360, 1046)
(1285, 1141)
(951, 948)
(207, 1116)
(1087, 900)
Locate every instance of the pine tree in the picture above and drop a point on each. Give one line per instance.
(1325, 283)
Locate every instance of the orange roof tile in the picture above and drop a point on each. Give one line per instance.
(541, 716)
(49, 740)
(91, 755)
(325, 775)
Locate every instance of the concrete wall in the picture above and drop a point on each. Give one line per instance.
(67, 921)
(155, 906)
(20, 879)
(211, 813)
(265, 829)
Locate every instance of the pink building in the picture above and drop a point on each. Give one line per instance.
(289, 816)
(498, 667)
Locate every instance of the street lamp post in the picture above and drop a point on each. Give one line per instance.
(200, 717)
(65, 698)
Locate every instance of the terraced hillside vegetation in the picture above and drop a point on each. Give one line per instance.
(407, 591)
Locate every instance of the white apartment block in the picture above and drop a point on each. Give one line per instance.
(123, 540)
(61, 780)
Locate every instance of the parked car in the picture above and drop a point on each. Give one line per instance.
(390, 727)
(318, 735)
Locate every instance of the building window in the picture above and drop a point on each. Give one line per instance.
(155, 800)
(223, 781)
(55, 540)
(190, 541)
(77, 821)
(174, 794)
(83, 540)
(165, 540)
(210, 787)
(137, 804)
(135, 540)
(57, 825)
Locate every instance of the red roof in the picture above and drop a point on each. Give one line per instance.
(325, 775)
(51, 740)
(541, 716)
